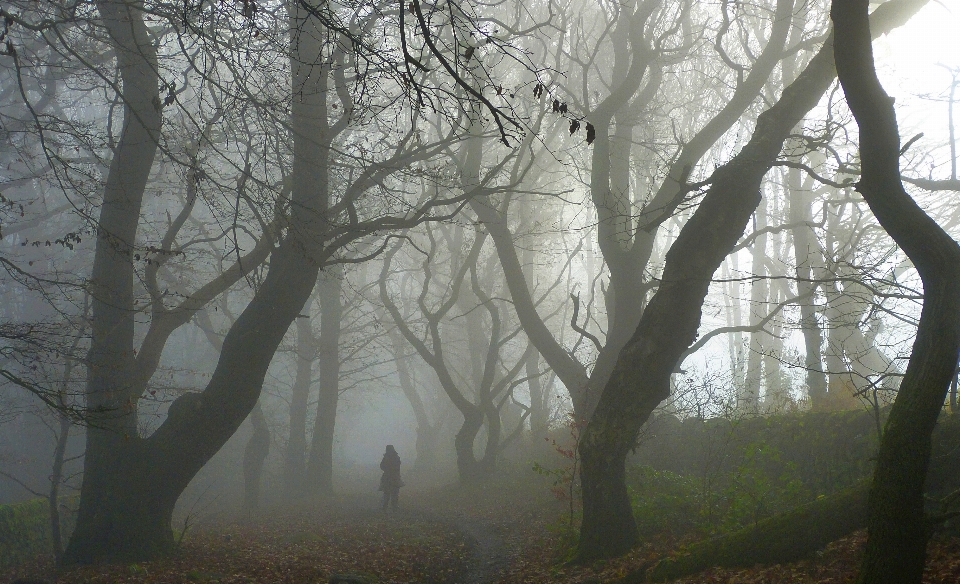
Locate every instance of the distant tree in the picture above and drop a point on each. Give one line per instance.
(478, 376)
(319, 472)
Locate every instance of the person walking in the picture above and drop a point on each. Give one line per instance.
(390, 481)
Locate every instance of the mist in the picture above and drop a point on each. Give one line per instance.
(462, 292)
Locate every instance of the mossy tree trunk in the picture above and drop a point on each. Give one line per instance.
(897, 529)
(786, 537)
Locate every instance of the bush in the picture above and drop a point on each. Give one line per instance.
(718, 475)
(25, 529)
(663, 501)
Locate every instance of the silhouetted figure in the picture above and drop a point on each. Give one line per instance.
(390, 482)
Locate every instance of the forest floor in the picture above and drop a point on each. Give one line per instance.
(512, 533)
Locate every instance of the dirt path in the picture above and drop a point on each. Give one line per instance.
(489, 554)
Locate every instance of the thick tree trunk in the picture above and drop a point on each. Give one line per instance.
(104, 527)
(641, 379)
(786, 537)
(129, 508)
(669, 325)
(320, 468)
(295, 457)
(468, 467)
(896, 526)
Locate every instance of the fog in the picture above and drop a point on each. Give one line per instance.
(613, 279)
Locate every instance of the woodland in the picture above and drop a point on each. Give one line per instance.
(641, 290)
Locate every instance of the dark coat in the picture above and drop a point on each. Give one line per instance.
(390, 465)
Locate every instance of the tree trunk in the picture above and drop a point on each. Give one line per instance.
(539, 400)
(468, 467)
(294, 465)
(783, 538)
(255, 454)
(320, 471)
(807, 261)
(115, 518)
(896, 526)
(759, 290)
(56, 479)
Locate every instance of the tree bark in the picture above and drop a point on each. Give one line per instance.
(131, 484)
(56, 478)
(896, 526)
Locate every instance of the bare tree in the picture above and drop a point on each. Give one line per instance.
(896, 525)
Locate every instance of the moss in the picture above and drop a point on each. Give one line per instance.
(785, 537)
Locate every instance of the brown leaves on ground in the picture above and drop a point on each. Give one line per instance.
(423, 544)
(836, 564)
(302, 546)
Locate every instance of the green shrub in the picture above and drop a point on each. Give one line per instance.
(663, 501)
(25, 529)
(718, 475)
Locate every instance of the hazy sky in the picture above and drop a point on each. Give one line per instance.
(909, 60)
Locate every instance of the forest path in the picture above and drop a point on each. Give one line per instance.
(502, 522)
(489, 553)
(490, 556)
(490, 550)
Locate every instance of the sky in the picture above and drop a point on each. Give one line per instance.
(909, 62)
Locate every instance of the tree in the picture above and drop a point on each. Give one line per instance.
(320, 465)
(644, 39)
(641, 378)
(897, 529)
(484, 380)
